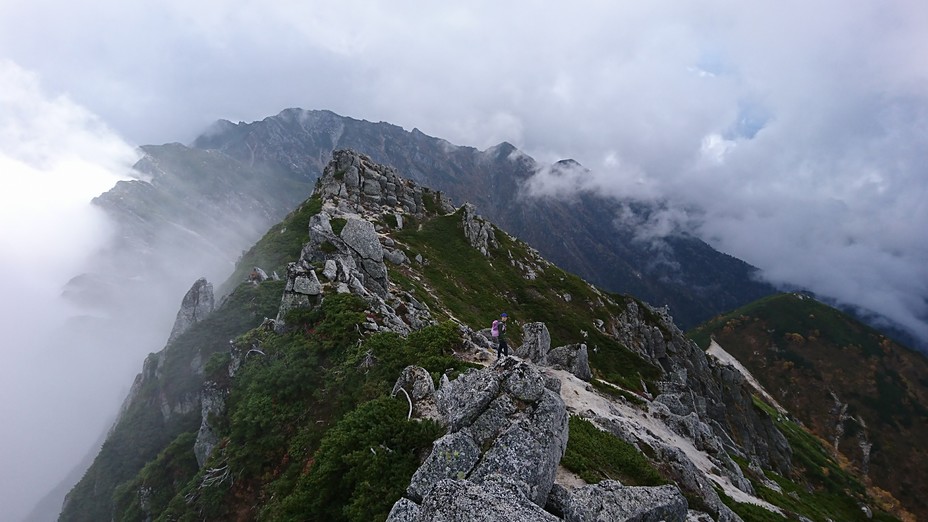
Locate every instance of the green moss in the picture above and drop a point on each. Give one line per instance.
(338, 224)
(596, 455)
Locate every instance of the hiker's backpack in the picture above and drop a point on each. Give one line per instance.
(494, 330)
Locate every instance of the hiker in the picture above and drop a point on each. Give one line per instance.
(499, 331)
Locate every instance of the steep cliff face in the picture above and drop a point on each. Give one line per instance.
(364, 386)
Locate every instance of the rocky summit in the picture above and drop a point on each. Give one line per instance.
(365, 384)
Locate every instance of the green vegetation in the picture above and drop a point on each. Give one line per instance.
(785, 314)
(338, 224)
(363, 465)
(596, 455)
(792, 342)
(159, 480)
(310, 432)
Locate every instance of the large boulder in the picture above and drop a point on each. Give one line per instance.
(573, 358)
(453, 457)
(496, 499)
(536, 342)
(610, 500)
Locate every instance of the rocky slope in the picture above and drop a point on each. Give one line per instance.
(863, 393)
(363, 386)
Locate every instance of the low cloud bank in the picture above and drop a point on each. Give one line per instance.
(59, 392)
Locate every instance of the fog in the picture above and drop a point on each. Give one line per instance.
(57, 397)
(790, 135)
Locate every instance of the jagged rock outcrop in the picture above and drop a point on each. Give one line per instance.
(359, 182)
(302, 289)
(344, 242)
(212, 406)
(496, 498)
(478, 231)
(535, 344)
(502, 420)
(716, 393)
(198, 302)
(507, 431)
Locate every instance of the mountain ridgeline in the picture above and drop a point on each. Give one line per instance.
(362, 385)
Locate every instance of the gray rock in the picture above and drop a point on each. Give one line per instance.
(558, 499)
(416, 381)
(523, 381)
(301, 291)
(552, 383)
(530, 449)
(359, 235)
(453, 457)
(460, 401)
(212, 405)
(404, 510)
(330, 271)
(198, 302)
(610, 500)
(397, 257)
(305, 283)
(536, 343)
(496, 499)
(573, 358)
(478, 231)
(258, 275)
(493, 420)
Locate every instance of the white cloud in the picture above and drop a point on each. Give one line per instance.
(54, 157)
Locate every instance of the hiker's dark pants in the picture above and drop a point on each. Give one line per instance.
(502, 349)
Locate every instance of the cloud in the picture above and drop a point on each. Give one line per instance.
(54, 157)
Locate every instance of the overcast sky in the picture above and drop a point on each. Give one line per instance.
(790, 134)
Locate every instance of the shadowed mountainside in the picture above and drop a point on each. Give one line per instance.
(851, 385)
